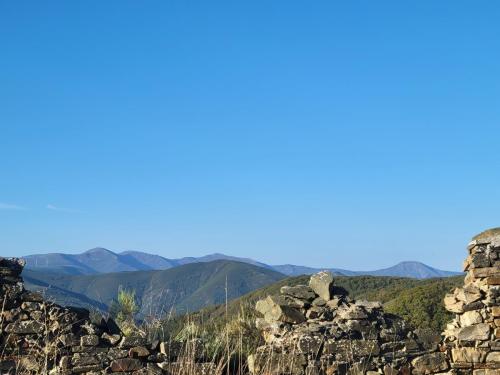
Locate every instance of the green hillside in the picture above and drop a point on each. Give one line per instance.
(420, 302)
(184, 288)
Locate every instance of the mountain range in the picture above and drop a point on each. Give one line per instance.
(100, 260)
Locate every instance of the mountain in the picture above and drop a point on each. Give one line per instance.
(414, 270)
(101, 260)
(183, 288)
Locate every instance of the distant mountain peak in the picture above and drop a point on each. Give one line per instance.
(98, 250)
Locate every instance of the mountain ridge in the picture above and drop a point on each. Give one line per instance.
(101, 260)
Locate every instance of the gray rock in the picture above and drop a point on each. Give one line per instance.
(322, 284)
(429, 364)
(302, 292)
(25, 327)
(474, 332)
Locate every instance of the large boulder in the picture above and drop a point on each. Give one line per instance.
(322, 284)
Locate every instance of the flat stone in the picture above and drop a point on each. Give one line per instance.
(89, 340)
(493, 357)
(479, 273)
(299, 291)
(468, 354)
(25, 327)
(494, 280)
(132, 340)
(429, 364)
(474, 332)
(125, 364)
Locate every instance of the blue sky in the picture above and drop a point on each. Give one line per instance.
(349, 134)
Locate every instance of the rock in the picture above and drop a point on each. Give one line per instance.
(112, 339)
(273, 311)
(495, 311)
(349, 349)
(89, 340)
(322, 284)
(428, 338)
(25, 327)
(474, 332)
(493, 357)
(353, 312)
(309, 344)
(132, 340)
(468, 355)
(319, 302)
(138, 351)
(125, 364)
(469, 318)
(478, 273)
(453, 305)
(429, 364)
(302, 292)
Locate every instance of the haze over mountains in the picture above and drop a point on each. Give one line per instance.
(100, 260)
(187, 287)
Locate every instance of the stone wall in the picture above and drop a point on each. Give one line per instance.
(317, 329)
(39, 337)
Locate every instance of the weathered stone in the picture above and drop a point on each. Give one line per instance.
(299, 291)
(138, 351)
(322, 284)
(309, 344)
(132, 340)
(478, 273)
(469, 318)
(453, 305)
(346, 350)
(493, 357)
(89, 340)
(468, 354)
(427, 338)
(125, 364)
(353, 312)
(429, 364)
(495, 311)
(25, 327)
(474, 332)
(112, 339)
(273, 311)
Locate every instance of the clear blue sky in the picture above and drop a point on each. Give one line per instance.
(348, 134)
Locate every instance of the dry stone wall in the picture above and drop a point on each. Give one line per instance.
(39, 337)
(317, 329)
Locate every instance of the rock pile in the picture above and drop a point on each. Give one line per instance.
(39, 337)
(317, 329)
(474, 335)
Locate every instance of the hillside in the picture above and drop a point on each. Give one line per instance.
(420, 302)
(183, 288)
